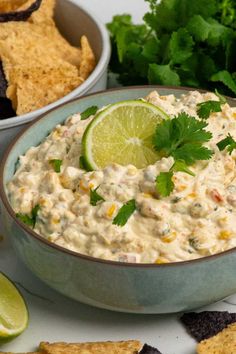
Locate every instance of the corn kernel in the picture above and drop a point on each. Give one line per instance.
(181, 188)
(111, 210)
(132, 170)
(83, 187)
(147, 195)
(222, 221)
(169, 237)
(55, 135)
(192, 195)
(65, 181)
(234, 114)
(225, 235)
(77, 195)
(55, 220)
(22, 189)
(161, 260)
(91, 176)
(91, 185)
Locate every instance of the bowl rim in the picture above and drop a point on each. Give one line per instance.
(38, 237)
(96, 74)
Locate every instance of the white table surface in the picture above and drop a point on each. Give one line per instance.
(56, 318)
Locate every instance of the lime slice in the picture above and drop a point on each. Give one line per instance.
(122, 133)
(13, 310)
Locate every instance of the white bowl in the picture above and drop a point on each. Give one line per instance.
(73, 21)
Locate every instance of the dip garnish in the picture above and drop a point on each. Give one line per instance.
(125, 213)
(228, 142)
(95, 197)
(204, 109)
(29, 220)
(89, 112)
(56, 164)
(182, 137)
(164, 183)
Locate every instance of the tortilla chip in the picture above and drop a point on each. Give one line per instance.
(32, 88)
(88, 61)
(63, 48)
(6, 110)
(10, 5)
(205, 324)
(40, 66)
(125, 347)
(24, 40)
(44, 14)
(20, 15)
(223, 343)
(147, 349)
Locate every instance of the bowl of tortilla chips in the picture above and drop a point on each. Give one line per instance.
(50, 52)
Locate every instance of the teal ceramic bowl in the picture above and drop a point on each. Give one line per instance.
(137, 288)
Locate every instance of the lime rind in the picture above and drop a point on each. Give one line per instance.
(14, 314)
(119, 139)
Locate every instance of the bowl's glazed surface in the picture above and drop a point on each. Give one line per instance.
(138, 288)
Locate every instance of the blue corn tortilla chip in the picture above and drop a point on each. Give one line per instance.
(3, 82)
(20, 15)
(147, 349)
(6, 110)
(206, 324)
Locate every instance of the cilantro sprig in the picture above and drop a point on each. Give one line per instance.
(29, 220)
(180, 42)
(95, 197)
(228, 143)
(183, 137)
(125, 213)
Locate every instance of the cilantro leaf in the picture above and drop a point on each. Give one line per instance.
(95, 197)
(125, 213)
(88, 112)
(228, 142)
(163, 74)
(180, 166)
(226, 78)
(175, 35)
(29, 220)
(26, 219)
(164, 183)
(190, 153)
(204, 109)
(181, 46)
(56, 164)
(182, 137)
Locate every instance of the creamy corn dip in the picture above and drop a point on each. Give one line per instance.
(197, 219)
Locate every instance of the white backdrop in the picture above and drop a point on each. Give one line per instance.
(105, 9)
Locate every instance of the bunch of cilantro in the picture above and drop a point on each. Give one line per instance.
(181, 42)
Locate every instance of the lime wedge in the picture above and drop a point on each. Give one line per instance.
(122, 133)
(13, 310)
